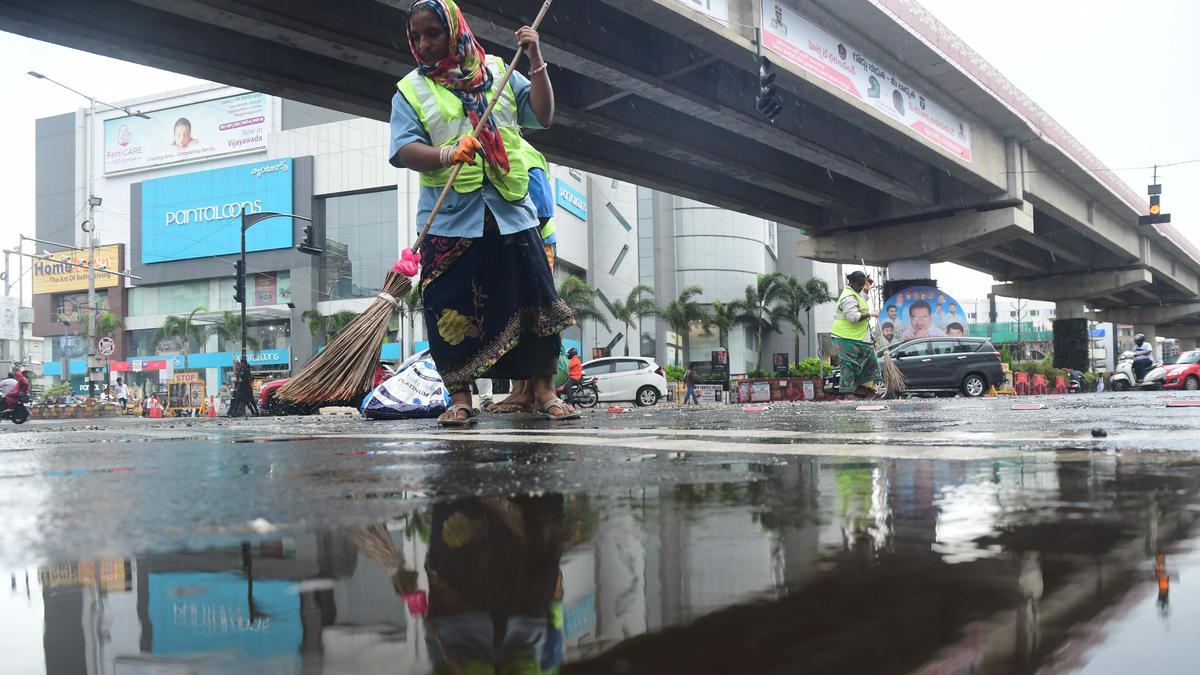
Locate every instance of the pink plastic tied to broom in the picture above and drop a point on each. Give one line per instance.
(408, 264)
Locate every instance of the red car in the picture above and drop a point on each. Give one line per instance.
(1185, 372)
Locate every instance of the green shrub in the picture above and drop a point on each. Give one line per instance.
(674, 373)
(1006, 356)
(758, 373)
(809, 368)
(1089, 381)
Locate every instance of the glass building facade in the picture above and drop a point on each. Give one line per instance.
(361, 243)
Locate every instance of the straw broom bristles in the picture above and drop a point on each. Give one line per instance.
(345, 369)
(893, 380)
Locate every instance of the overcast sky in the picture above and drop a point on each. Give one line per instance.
(1117, 74)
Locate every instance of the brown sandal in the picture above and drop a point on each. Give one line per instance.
(454, 421)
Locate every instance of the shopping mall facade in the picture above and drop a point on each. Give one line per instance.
(172, 186)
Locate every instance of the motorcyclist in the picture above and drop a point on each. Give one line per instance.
(1143, 357)
(12, 387)
(574, 371)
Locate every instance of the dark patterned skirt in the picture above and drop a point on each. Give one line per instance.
(491, 308)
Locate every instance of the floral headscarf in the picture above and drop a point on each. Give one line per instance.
(464, 72)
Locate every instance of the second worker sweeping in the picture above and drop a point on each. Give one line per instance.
(491, 308)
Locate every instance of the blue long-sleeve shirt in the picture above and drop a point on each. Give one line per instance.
(461, 215)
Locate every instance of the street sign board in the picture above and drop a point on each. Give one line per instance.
(106, 346)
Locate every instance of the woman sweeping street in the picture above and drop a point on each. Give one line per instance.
(491, 308)
(852, 336)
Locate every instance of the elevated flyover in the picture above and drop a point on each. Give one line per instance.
(896, 140)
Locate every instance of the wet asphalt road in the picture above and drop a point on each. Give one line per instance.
(951, 535)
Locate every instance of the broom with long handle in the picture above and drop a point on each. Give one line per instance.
(893, 380)
(346, 367)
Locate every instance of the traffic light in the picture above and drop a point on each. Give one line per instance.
(309, 245)
(1156, 217)
(239, 282)
(769, 105)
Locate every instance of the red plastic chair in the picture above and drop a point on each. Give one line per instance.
(1060, 384)
(1040, 385)
(1021, 383)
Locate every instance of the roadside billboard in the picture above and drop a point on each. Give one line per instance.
(198, 215)
(187, 133)
(921, 311)
(63, 273)
(10, 324)
(808, 46)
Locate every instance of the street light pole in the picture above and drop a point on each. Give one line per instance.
(92, 203)
(90, 231)
(243, 395)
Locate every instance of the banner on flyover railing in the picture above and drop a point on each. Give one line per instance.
(805, 44)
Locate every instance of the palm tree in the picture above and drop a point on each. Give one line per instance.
(107, 325)
(411, 305)
(229, 330)
(634, 307)
(763, 308)
(182, 328)
(329, 325)
(681, 313)
(801, 298)
(581, 298)
(723, 317)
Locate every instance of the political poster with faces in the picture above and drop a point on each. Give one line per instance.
(921, 311)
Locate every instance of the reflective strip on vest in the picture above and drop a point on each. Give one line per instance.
(445, 119)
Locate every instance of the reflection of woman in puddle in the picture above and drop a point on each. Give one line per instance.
(495, 591)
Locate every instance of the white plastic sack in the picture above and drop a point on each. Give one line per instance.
(416, 391)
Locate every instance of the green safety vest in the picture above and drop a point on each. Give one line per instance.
(844, 328)
(442, 115)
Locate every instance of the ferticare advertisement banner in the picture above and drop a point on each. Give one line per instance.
(187, 133)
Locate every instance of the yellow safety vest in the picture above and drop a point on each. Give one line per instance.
(845, 329)
(442, 115)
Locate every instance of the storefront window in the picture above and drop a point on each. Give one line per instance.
(361, 243)
(66, 347)
(268, 335)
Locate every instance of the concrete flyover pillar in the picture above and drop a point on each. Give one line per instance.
(1151, 337)
(902, 274)
(1072, 347)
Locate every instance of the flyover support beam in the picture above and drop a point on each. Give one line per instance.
(1151, 316)
(1077, 286)
(1187, 344)
(1063, 309)
(934, 240)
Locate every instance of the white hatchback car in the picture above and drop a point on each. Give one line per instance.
(628, 378)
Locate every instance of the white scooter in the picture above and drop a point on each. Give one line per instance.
(1123, 379)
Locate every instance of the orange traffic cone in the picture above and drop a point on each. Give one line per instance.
(212, 406)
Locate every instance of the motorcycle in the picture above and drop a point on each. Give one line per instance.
(1123, 378)
(586, 395)
(1075, 382)
(19, 413)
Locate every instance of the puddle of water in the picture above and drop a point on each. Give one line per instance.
(811, 565)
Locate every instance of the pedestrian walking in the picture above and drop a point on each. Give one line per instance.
(490, 303)
(122, 393)
(689, 382)
(851, 334)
